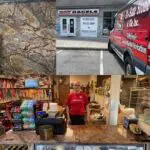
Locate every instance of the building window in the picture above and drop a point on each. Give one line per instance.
(108, 21)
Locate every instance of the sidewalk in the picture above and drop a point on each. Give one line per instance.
(81, 44)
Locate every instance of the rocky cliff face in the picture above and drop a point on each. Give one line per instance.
(27, 31)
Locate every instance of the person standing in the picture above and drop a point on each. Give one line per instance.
(77, 106)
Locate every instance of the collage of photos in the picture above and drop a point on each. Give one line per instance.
(74, 74)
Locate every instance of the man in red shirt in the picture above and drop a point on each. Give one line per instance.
(77, 106)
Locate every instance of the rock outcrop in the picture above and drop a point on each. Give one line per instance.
(28, 37)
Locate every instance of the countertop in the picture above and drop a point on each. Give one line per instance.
(87, 134)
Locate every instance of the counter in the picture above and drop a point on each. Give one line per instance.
(87, 134)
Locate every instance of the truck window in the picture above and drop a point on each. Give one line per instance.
(119, 21)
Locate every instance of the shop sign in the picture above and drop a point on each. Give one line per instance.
(88, 26)
(78, 12)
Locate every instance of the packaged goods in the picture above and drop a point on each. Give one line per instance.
(53, 107)
(29, 120)
(28, 114)
(17, 116)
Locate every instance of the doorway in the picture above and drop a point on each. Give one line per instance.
(68, 26)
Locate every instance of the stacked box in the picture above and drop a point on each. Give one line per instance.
(28, 114)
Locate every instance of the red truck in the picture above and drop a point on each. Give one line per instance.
(130, 38)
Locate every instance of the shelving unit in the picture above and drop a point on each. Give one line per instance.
(7, 101)
(12, 89)
(133, 97)
(132, 85)
(139, 99)
(127, 83)
(18, 94)
(136, 96)
(27, 88)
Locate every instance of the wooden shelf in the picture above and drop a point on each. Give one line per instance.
(7, 77)
(35, 99)
(26, 88)
(7, 101)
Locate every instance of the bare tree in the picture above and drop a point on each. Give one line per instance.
(28, 31)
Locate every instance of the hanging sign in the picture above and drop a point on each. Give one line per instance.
(78, 12)
(88, 26)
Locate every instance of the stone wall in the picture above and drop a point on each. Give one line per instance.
(28, 37)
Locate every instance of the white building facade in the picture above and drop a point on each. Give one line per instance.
(83, 20)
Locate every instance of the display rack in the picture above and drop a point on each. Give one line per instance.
(140, 101)
(136, 96)
(12, 89)
(127, 82)
(21, 94)
(130, 89)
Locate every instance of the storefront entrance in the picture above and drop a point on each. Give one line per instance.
(68, 26)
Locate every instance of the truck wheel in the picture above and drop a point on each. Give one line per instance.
(110, 48)
(129, 67)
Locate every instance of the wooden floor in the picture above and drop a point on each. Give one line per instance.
(88, 134)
